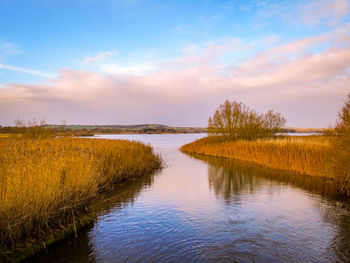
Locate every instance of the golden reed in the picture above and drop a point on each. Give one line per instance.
(45, 183)
(310, 155)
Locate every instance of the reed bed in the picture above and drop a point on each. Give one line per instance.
(45, 184)
(309, 155)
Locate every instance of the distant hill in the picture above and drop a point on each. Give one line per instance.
(304, 130)
(135, 128)
(81, 130)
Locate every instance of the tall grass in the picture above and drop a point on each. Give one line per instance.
(342, 146)
(309, 155)
(46, 183)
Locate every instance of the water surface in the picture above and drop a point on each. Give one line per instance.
(201, 209)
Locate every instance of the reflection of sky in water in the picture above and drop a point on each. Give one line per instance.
(159, 142)
(212, 210)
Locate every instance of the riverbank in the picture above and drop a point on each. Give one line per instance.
(232, 175)
(309, 155)
(149, 218)
(47, 185)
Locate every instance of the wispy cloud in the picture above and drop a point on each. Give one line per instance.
(130, 69)
(183, 29)
(209, 53)
(7, 49)
(329, 11)
(299, 12)
(33, 72)
(99, 57)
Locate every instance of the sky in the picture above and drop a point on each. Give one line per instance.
(172, 62)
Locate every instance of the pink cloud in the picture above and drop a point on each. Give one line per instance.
(185, 91)
(318, 11)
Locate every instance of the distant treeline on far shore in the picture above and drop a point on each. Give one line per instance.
(89, 130)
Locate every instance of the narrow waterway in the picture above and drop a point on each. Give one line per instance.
(212, 210)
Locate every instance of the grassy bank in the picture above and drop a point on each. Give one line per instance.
(46, 184)
(309, 155)
(228, 177)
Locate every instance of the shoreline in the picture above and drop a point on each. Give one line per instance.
(305, 156)
(61, 196)
(319, 185)
(36, 247)
(50, 240)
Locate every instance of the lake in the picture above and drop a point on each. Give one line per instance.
(200, 209)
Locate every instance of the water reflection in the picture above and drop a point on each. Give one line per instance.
(231, 179)
(73, 249)
(204, 209)
(81, 249)
(338, 214)
(123, 194)
(228, 177)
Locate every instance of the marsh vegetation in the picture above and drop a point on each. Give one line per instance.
(237, 132)
(46, 184)
(309, 155)
(341, 146)
(206, 209)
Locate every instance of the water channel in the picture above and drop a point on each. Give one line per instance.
(201, 209)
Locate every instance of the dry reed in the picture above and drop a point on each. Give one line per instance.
(45, 183)
(309, 155)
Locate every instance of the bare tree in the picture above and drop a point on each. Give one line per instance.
(274, 121)
(19, 122)
(234, 120)
(43, 122)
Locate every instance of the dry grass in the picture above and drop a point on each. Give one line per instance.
(311, 155)
(45, 183)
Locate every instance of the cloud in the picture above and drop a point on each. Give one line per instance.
(134, 69)
(295, 72)
(8, 49)
(307, 86)
(271, 58)
(209, 19)
(33, 72)
(101, 56)
(183, 29)
(210, 53)
(330, 11)
(302, 13)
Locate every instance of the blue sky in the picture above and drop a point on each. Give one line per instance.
(173, 61)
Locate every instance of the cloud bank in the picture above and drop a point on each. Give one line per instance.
(306, 80)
